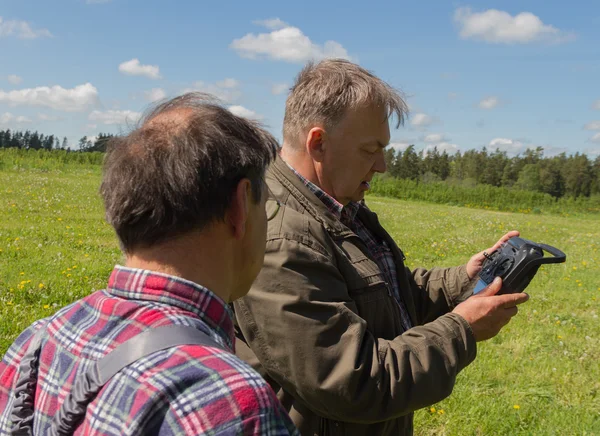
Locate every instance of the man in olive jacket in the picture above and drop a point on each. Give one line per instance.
(351, 339)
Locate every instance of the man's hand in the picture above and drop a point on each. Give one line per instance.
(476, 262)
(487, 312)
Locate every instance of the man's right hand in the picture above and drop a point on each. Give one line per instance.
(487, 312)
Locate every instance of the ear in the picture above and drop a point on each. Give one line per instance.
(316, 141)
(239, 208)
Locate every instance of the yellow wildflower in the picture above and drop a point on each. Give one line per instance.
(46, 306)
(516, 407)
(41, 286)
(432, 410)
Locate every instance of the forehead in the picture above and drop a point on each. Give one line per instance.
(365, 124)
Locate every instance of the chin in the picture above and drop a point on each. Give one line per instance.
(358, 197)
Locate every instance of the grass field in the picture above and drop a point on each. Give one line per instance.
(540, 376)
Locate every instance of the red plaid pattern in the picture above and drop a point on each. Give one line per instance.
(187, 389)
(379, 251)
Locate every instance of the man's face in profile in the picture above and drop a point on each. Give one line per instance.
(354, 153)
(253, 244)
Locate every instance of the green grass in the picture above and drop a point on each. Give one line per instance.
(541, 375)
(56, 248)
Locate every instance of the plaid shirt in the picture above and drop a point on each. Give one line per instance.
(187, 389)
(378, 249)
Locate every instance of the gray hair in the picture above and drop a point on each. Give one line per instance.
(324, 92)
(178, 170)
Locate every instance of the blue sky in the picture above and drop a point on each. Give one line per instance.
(507, 74)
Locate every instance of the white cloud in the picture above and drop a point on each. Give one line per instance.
(279, 88)
(511, 146)
(441, 147)
(286, 44)
(55, 97)
(448, 75)
(241, 111)
(155, 94)
(421, 120)
(593, 152)
(271, 23)
(228, 83)
(22, 30)
(489, 102)
(596, 105)
(434, 137)
(13, 79)
(9, 119)
(596, 138)
(46, 117)
(399, 146)
(135, 68)
(226, 90)
(594, 125)
(452, 95)
(114, 117)
(500, 27)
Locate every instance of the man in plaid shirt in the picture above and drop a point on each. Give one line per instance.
(186, 196)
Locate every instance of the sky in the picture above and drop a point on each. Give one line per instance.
(498, 74)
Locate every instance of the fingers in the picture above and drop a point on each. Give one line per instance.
(511, 311)
(503, 239)
(491, 289)
(511, 300)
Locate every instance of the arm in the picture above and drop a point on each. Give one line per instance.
(437, 291)
(304, 328)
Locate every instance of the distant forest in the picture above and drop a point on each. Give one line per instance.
(570, 176)
(573, 175)
(38, 141)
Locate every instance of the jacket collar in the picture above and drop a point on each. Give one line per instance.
(303, 195)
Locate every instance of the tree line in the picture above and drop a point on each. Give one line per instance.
(38, 141)
(563, 175)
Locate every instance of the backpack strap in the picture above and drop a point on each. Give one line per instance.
(22, 410)
(87, 386)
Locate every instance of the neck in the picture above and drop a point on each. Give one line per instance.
(210, 266)
(302, 163)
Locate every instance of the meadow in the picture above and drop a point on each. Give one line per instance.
(540, 376)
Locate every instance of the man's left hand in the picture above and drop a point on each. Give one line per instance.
(476, 262)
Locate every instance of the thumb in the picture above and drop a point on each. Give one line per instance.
(491, 289)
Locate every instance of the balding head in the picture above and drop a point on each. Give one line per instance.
(177, 171)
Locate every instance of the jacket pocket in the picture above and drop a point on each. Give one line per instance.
(378, 308)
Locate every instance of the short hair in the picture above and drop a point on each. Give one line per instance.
(178, 170)
(324, 92)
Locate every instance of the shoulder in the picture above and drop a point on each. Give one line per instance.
(198, 390)
(295, 223)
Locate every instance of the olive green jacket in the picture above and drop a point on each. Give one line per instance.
(325, 332)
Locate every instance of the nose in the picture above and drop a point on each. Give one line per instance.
(380, 166)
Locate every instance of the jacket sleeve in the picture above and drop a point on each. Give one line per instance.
(304, 328)
(439, 290)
